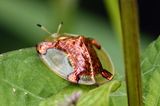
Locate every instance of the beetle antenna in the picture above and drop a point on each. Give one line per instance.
(44, 29)
(59, 27)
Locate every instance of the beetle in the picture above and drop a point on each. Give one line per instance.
(72, 57)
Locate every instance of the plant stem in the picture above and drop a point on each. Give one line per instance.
(130, 35)
(112, 7)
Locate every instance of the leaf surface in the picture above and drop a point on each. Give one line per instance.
(151, 74)
(99, 96)
(26, 81)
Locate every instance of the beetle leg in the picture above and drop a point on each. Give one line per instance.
(95, 43)
(73, 77)
(42, 47)
(106, 74)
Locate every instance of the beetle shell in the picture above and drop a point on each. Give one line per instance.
(74, 58)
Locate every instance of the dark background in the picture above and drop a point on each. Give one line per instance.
(149, 14)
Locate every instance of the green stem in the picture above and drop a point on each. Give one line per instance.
(130, 35)
(112, 7)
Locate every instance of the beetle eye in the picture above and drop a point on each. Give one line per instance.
(58, 62)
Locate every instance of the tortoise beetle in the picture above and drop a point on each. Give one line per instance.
(73, 57)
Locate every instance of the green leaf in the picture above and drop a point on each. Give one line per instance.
(65, 93)
(99, 96)
(119, 98)
(25, 80)
(151, 74)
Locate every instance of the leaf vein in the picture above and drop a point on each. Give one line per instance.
(23, 90)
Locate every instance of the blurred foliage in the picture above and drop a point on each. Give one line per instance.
(114, 13)
(20, 17)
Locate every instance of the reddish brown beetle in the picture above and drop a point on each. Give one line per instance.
(73, 58)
